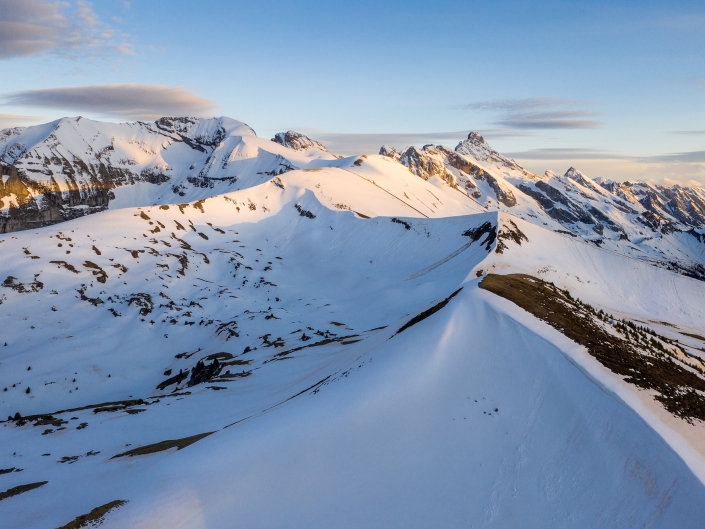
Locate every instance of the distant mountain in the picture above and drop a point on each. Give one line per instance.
(76, 166)
(663, 225)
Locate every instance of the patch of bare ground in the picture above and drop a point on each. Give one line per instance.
(95, 517)
(14, 491)
(638, 354)
(163, 445)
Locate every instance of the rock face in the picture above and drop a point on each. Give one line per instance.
(628, 217)
(296, 141)
(75, 166)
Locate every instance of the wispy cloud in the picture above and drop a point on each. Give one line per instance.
(537, 113)
(122, 101)
(568, 153)
(692, 157)
(689, 132)
(32, 27)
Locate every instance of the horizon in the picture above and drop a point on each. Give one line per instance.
(614, 89)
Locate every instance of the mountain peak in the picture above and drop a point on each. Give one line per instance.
(572, 172)
(476, 137)
(297, 141)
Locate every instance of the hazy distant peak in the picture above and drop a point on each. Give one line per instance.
(297, 141)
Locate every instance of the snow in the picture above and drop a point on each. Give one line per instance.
(477, 416)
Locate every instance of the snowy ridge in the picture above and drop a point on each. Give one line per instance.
(663, 226)
(76, 166)
(312, 347)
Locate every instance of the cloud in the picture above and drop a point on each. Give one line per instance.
(537, 113)
(691, 157)
(566, 154)
(122, 101)
(689, 132)
(32, 27)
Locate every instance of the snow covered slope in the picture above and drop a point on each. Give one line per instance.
(663, 226)
(74, 166)
(315, 351)
(324, 341)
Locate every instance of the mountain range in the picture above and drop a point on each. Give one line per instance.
(204, 328)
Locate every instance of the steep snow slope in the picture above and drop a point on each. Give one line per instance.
(306, 339)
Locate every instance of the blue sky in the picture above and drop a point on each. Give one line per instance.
(615, 88)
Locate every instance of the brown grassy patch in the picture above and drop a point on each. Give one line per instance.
(96, 515)
(14, 491)
(647, 364)
(163, 445)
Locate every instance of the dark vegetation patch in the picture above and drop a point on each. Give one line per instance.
(96, 250)
(428, 312)
(283, 354)
(66, 265)
(48, 418)
(203, 372)
(176, 379)
(163, 445)
(402, 222)
(97, 271)
(183, 261)
(8, 470)
(199, 205)
(487, 229)
(637, 354)
(23, 288)
(95, 517)
(143, 301)
(93, 301)
(304, 213)
(14, 491)
(120, 406)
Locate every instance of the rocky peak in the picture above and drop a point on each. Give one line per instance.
(297, 141)
(389, 151)
(573, 173)
(476, 146)
(425, 163)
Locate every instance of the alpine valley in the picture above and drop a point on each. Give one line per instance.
(204, 328)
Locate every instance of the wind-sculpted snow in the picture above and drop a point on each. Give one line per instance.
(312, 349)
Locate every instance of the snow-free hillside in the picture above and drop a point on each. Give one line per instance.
(315, 351)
